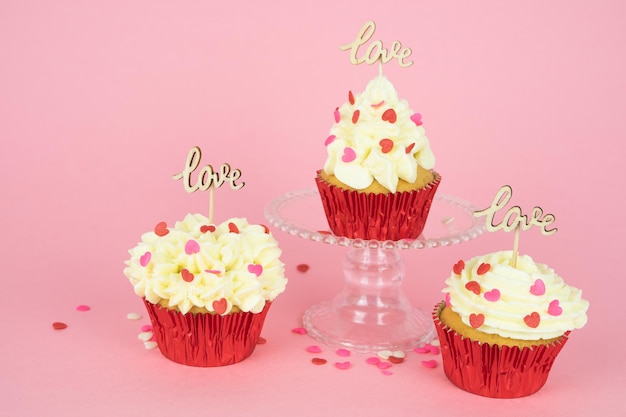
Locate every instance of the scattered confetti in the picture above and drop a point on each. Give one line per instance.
(261, 341)
(447, 220)
(428, 348)
(146, 328)
(83, 307)
(396, 359)
(145, 336)
(434, 342)
(342, 365)
(372, 360)
(314, 349)
(299, 330)
(151, 344)
(57, 325)
(133, 316)
(386, 372)
(434, 350)
(383, 365)
(318, 361)
(302, 268)
(384, 354)
(343, 352)
(399, 354)
(429, 364)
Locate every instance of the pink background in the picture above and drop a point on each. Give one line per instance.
(100, 102)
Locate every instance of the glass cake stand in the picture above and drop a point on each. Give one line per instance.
(371, 313)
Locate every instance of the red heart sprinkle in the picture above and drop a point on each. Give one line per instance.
(342, 365)
(161, 229)
(232, 228)
(458, 267)
(187, 276)
(302, 268)
(350, 97)
(389, 116)
(429, 364)
(337, 115)
(355, 116)
(483, 269)
(57, 325)
(473, 286)
(386, 145)
(318, 361)
(220, 306)
(261, 341)
(395, 359)
(266, 229)
(532, 320)
(476, 320)
(207, 228)
(409, 148)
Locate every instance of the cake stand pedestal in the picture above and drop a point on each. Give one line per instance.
(371, 313)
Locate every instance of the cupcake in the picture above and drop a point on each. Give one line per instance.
(207, 288)
(501, 327)
(378, 180)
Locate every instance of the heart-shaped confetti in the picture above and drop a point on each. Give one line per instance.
(314, 349)
(429, 364)
(384, 354)
(386, 145)
(213, 271)
(389, 115)
(146, 328)
(337, 115)
(318, 361)
(355, 116)
(554, 309)
(538, 288)
(476, 320)
(57, 325)
(302, 267)
(266, 229)
(458, 267)
(133, 316)
(207, 228)
(395, 360)
(409, 148)
(161, 229)
(473, 286)
(192, 247)
(423, 349)
(232, 228)
(186, 275)
(532, 320)
(343, 352)
(349, 155)
(493, 295)
(150, 344)
(373, 360)
(220, 306)
(83, 307)
(417, 119)
(351, 97)
(261, 341)
(377, 105)
(483, 269)
(299, 330)
(330, 140)
(144, 259)
(342, 365)
(145, 336)
(384, 365)
(255, 269)
(447, 299)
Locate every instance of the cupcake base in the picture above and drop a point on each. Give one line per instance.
(205, 340)
(492, 370)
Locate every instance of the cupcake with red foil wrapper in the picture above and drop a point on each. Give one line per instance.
(206, 287)
(378, 180)
(502, 327)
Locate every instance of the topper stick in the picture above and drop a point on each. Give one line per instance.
(515, 246)
(211, 194)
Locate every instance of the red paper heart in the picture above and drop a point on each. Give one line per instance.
(161, 229)
(302, 267)
(350, 97)
(57, 325)
(207, 228)
(473, 286)
(386, 145)
(355, 116)
(409, 148)
(220, 306)
(266, 229)
(483, 269)
(318, 361)
(458, 267)
(532, 320)
(476, 320)
(186, 275)
(389, 116)
(232, 228)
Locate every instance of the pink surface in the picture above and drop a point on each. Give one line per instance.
(100, 102)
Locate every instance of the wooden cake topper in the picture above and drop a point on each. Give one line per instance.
(375, 52)
(514, 219)
(208, 179)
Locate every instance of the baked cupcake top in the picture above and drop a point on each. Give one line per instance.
(199, 267)
(528, 302)
(377, 137)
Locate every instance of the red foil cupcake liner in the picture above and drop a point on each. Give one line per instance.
(205, 339)
(491, 370)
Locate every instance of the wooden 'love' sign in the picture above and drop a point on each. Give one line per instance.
(375, 51)
(514, 219)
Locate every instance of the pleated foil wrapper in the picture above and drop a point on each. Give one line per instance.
(206, 340)
(392, 216)
(491, 370)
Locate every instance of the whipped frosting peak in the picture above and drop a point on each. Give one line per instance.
(377, 137)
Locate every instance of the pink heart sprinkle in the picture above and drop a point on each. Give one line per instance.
(423, 349)
(191, 247)
(343, 352)
(383, 365)
(146, 328)
(330, 140)
(342, 365)
(349, 155)
(538, 288)
(447, 299)
(145, 259)
(386, 372)
(493, 295)
(337, 115)
(434, 350)
(554, 309)
(83, 307)
(373, 360)
(314, 349)
(417, 119)
(255, 269)
(298, 330)
(429, 364)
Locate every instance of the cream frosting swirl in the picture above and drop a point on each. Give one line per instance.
(377, 137)
(233, 266)
(528, 302)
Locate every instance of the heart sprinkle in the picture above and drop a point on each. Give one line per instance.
(261, 341)
(302, 268)
(342, 365)
(493, 295)
(255, 269)
(476, 320)
(389, 116)
(133, 316)
(299, 330)
(207, 228)
(377, 105)
(384, 354)
(395, 359)
(351, 97)
(429, 364)
(458, 267)
(232, 228)
(447, 299)
(220, 306)
(386, 145)
(57, 325)
(83, 307)
(483, 269)
(337, 115)
(213, 271)
(150, 344)
(383, 365)
(373, 360)
(417, 119)
(161, 229)
(191, 247)
(532, 320)
(349, 155)
(355, 116)
(265, 229)
(343, 352)
(314, 349)
(318, 361)
(146, 328)
(144, 259)
(538, 288)
(409, 148)
(554, 309)
(330, 140)
(473, 286)
(186, 275)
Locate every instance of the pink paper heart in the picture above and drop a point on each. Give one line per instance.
(342, 365)
(349, 155)
(337, 115)
(191, 247)
(417, 119)
(493, 295)
(330, 140)
(255, 269)
(314, 349)
(145, 259)
(554, 309)
(538, 288)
